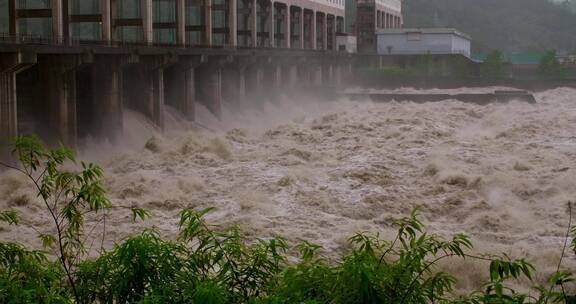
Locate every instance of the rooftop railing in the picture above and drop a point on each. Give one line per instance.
(29, 39)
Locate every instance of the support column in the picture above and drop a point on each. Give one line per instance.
(254, 81)
(189, 108)
(324, 74)
(144, 87)
(8, 113)
(156, 103)
(106, 20)
(232, 23)
(332, 33)
(259, 85)
(107, 96)
(271, 24)
(147, 21)
(241, 84)
(215, 91)
(301, 28)
(180, 22)
(276, 76)
(10, 66)
(294, 76)
(208, 22)
(180, 87)
(57, 21)
(313, 30)
(254, 22)
(349, 72)
(291, 75)
(242, 78)
(338, 75)
(59, 84)
(210, 82)
(325, 32)
(287, 34)
(317, 75)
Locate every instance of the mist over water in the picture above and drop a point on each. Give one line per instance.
(321, 171)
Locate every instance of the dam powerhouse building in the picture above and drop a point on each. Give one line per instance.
(68, 68)
(308, 24)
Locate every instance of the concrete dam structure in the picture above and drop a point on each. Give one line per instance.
(68, 68)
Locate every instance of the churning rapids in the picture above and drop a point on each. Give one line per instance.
(501, 173)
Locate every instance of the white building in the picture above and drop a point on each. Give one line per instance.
(422, 41)
(346, 43)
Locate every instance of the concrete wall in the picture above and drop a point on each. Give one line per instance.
(422, 43)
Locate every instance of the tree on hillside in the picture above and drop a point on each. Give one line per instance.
(550, 67)
(506, 25)
(494, 65)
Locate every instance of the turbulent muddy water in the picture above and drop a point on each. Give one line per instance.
(501, 173)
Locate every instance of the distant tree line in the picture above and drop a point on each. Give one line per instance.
(506, 25)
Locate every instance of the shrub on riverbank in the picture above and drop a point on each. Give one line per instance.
(208, 264)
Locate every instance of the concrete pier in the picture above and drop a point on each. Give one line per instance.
(58, 82)
(209, 82)
(144, 89)
(180, 89)
(107, 96)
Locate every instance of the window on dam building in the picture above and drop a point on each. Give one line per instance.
(296, 19)
(33, 4)
(279, 23)
(220, 22)
(194, 16)
(262, 12)
(339, 25)
(85, 7)
(4, 17)
(129, 21)
(331, 28)
(164, 16)
(243, 23)
(85, 19)
(320, 31)
(35, 18)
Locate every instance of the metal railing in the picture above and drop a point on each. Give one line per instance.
(424, 52)
(30, 39)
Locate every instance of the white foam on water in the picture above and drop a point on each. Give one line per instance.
(501, 173)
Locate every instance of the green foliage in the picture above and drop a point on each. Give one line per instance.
(28, 277)
(143, 267)
(550, 67)
(493, 66)
(211, 264)
(67, 197)
(139, 213)
(10, 217)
